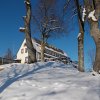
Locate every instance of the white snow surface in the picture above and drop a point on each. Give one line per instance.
(92, 15)
(83, 14)
(47, 81)
(79, 35)
(22, 28)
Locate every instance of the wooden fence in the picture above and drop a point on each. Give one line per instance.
(7, 61)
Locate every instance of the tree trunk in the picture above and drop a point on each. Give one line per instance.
(96, 36)
(81, 53)
(96, 66)
(95, 31)
(31, 50)
(42, 51)
(80, 40)
(81, 49)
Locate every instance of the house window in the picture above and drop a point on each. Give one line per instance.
(22, 51)
(26, 50)
(26, 59)
(25, 44)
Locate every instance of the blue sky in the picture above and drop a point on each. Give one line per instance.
(10, 37)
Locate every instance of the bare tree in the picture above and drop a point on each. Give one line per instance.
(93, 15)
(48, 22)
(81, 31)
(9, 55)
(91, 9)
(80, 39)
(27, 30)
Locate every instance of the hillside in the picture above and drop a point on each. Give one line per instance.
(47, 81)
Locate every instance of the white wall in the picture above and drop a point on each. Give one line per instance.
(21, 56)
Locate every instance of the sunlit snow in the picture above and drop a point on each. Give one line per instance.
(92, 16)
(47, 81)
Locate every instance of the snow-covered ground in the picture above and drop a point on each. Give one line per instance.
(47, 81)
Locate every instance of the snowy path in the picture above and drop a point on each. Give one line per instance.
(49, 81)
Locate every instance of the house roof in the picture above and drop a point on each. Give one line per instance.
(50, 46)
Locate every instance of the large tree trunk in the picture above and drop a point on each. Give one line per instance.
(31, 50)
(96, 36)
(96, 66)
(95, 30)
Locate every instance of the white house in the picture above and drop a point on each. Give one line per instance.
(51, 53)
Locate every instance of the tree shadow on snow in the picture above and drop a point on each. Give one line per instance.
(17, 75)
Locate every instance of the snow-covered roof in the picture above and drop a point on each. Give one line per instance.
(65, 54)
(37, 46)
